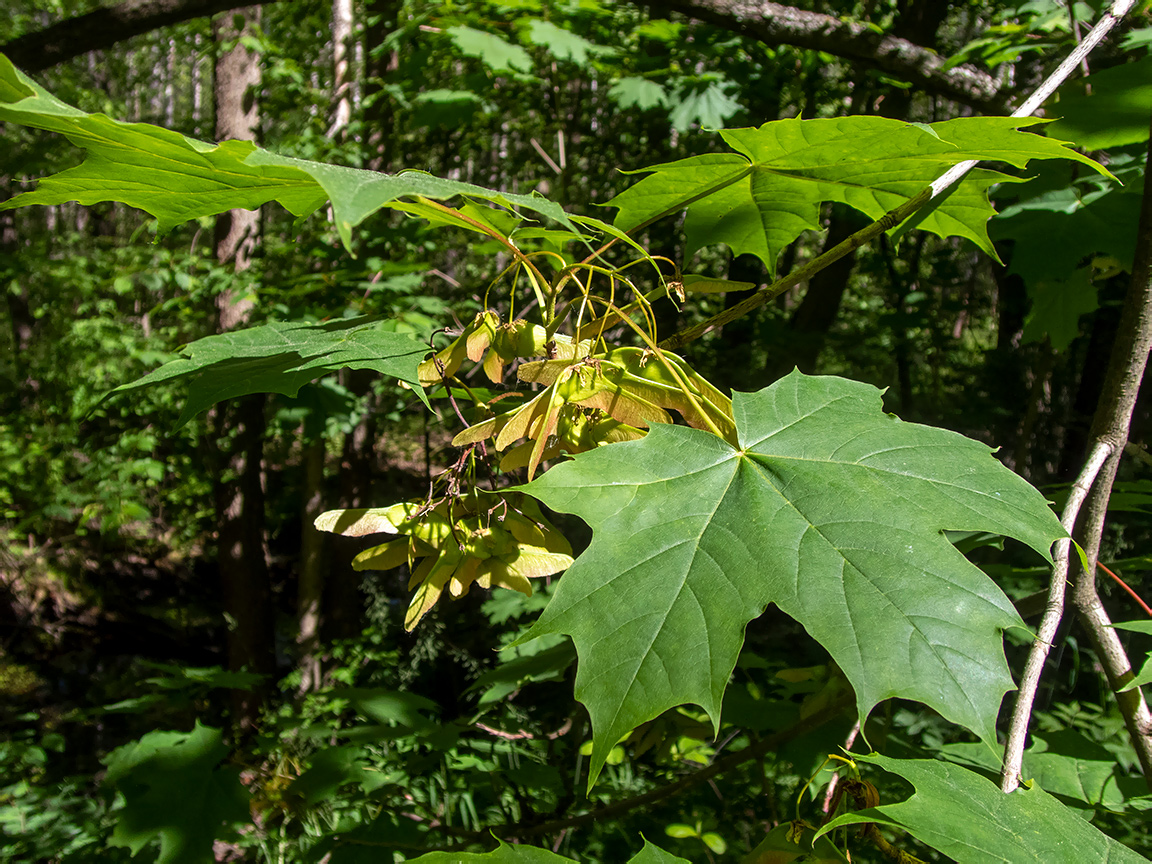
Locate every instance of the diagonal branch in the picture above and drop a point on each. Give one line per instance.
(776, 24)
(105, 27)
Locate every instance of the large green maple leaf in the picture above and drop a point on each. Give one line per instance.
(760, 198)
(175, 178)
(829, 508)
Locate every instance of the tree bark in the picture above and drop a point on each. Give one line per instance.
(103, 28)
(775, 24)
(814, 317)
(245, 584)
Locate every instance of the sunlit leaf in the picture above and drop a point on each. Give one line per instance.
(175, 178)
(762, 197)
(827, 507)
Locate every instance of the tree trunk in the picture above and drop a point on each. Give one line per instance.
(310, 590)
(379, 116)
(239, 428)
(817, 312)
(341, 79)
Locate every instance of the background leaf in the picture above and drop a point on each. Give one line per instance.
(496, 53)
(174, 790)
(1116, 112)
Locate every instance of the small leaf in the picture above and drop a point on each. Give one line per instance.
(694, 284)
(714, 842)
(679, 831)
(563, 44)
(356, 522)
(497, 54)
(639, 93)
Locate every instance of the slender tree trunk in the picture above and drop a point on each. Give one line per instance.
(1110, 425)
(310, 590)
(341, 79)
(381, 19)
(240, 427)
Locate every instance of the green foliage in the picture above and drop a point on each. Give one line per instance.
(175, 178)
(175, 789)
(760, 199)
(982, 824)
(826, 507)
(281, 358)
(804, 496)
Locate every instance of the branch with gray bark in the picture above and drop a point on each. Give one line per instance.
(770, 23)
(105, 27)
(776, 24)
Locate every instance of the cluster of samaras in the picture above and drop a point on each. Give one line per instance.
(589, 398)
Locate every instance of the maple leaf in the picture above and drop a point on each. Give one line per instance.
(175, 178)
(281, 358)
(762, 197)
(966, 817)
(827, 507)
(174, 790)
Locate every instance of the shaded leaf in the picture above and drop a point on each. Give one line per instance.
(174, 789)
(563, 44)
(281, 358)
(1116, 112)
(639, 93)
(1057, 307)
(496, 53)
(967, 817)
(828, 508)
(710, 108)
(1144, 676)
(503, 854)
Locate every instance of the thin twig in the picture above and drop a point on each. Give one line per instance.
(1139, 600)
(1018, 730)
(720, 766)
